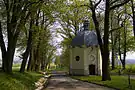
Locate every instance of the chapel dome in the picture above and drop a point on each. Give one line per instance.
(85, 37)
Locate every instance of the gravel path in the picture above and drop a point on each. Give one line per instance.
(67, 83)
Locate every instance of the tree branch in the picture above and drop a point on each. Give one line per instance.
(130, 15)
(97, 3)
(118, 5)
(92, 7)
(113, 2)
(114, 29)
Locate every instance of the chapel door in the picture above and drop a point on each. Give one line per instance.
(92, 69)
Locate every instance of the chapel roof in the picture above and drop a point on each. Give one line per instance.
(85, 37)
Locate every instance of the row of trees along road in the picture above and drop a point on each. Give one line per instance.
(25, 25)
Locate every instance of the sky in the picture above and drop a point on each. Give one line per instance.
(130, 55)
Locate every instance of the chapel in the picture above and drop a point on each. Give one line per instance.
(85, 56)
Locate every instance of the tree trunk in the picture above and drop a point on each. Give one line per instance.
(113, 57)
(119, 47)
(105, 61)
(27, 51)
(113, 62)
(125, 42)
(12, 40)
(37, 58)
(96, 23)
(37, 65)
(38, 61)
(123, 64)
(32, 59)
(124, 55)
(29, 62)
(3, 50)
(43, 63)
(133, 12)
(112, 44)
(10, 52)
(42, 56)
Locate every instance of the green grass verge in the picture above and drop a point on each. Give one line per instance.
(118, 82)
(18, 81)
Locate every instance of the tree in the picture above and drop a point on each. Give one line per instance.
(123, 33)
(14, 23)
(114, 36)
(28, 48)
(41, 39)
(104, 46)
(105, 57)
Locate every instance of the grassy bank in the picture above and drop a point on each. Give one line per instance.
(118, 82)
(18, 81)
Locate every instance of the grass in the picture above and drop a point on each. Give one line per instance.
(17, 65)
(118, 82)
(18, 81)
(63, 69)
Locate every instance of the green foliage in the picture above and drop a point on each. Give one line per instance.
(130, 67)
(57, 60)
(119, 82)
(65, 60)
(58, 69)
(18, 81)
(40, 25)
(71, 16)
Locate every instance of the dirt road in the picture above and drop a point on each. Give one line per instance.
(62, 82)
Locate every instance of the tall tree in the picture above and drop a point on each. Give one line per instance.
(104, 46)
(28, 48)
(105, 61)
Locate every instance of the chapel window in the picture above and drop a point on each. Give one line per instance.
(77, 58)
